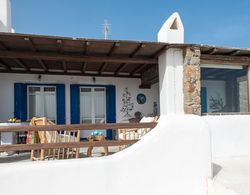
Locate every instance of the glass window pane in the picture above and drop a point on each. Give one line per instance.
(85, 105)
(85, 89)
(100, 105)
(32, 106)
(50, 106)
(49, 89)
(34, 89)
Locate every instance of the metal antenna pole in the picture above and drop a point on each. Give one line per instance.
(106, 29)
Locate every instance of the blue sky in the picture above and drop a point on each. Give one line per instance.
(221, 22)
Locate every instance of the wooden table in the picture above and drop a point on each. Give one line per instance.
(96, 138)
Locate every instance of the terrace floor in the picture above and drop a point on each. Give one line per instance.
(233, 174)
(25, 156)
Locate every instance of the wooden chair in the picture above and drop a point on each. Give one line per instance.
(55, 137)
(135, 133)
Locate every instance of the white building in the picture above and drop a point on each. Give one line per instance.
(85, 80)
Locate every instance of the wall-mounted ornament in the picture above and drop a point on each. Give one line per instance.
(127, 105)
(141, 98)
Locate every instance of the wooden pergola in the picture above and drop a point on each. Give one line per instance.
(38, 54)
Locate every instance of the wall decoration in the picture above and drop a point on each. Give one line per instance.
(141, 98)
(216, 104)
(127, 105)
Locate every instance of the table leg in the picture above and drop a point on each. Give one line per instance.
(89, 151)
(106, 150)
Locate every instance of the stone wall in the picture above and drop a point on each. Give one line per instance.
(191, 81)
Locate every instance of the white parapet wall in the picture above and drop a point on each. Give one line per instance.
(174, 158)
(230, 135)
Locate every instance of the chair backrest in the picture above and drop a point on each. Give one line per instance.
(143, 131)
(57, 137)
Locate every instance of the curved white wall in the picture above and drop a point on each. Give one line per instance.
(230, 135)
(174, 158)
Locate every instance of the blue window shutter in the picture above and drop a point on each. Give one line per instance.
(20, 101)
(75, 104)
(60, 103)
(110, 107)
(203, 100)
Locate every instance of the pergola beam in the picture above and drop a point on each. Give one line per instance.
(51, 72)
(111, 51)
(133, 54)
(4, 65)
(85, 47)
(64, 66)
(42, 64)
(225, 59)
(20, 63)
(213, 51)
(60, 45)
(121, 67)
(83, 67)
(138, 69)
(75, 58)
(234, 53)
(159, 51)
(31, 44)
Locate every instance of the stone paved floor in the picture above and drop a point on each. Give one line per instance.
(24, 157)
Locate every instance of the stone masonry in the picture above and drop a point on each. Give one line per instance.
(191, 81)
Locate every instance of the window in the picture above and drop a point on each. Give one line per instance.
(41, 101)
(92, 106)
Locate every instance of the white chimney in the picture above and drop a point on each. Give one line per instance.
(171, 67)
(172, 31)
(5, 16)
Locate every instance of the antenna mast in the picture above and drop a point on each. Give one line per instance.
(106, 29)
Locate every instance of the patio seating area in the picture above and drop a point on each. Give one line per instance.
(47, 141)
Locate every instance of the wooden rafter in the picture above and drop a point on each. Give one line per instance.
(4, 65)
(138, 69)
(50, 72)
(85, 47)
(133, 54)
(234, 53)
(83, 67)
(213, 51)
(75, 58)
(64, 66)
(60, 45)
(225, 59)
(149, 77)
(43, 65)
(111, 51)
(159, 51)
(121, 67)
(113, 48)
(103, 66)
(20, 63)
(31, 44)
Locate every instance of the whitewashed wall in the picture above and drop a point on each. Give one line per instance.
(215, 89)
(230, 135)
(7, 92)
(174, 158)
